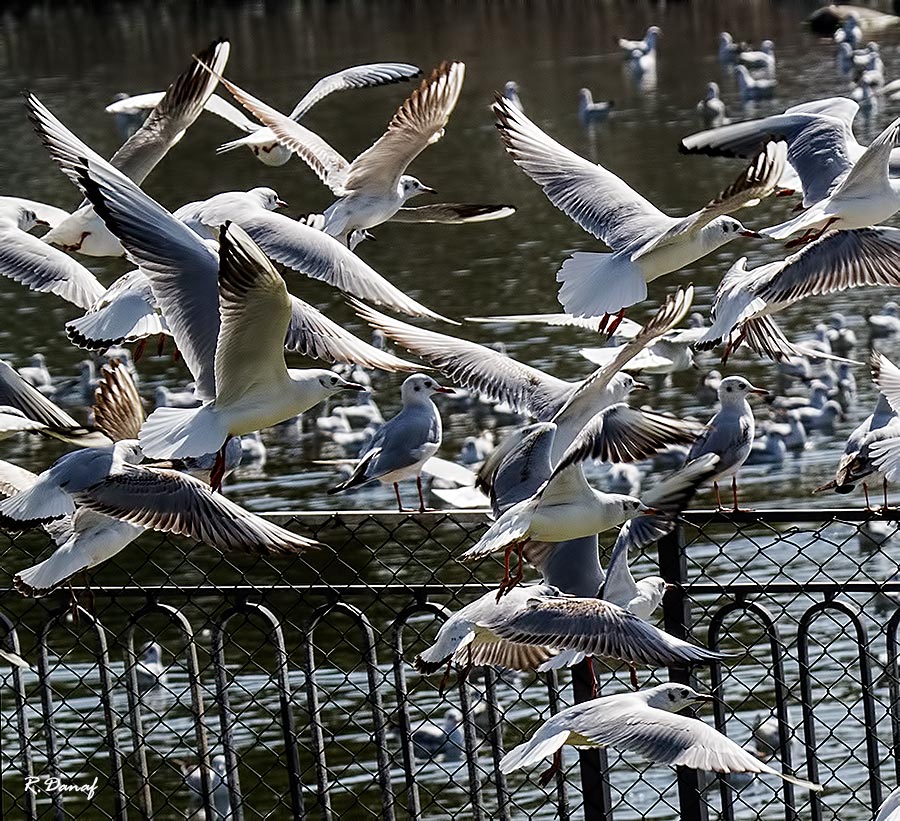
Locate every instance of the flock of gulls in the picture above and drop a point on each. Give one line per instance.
(213, 276)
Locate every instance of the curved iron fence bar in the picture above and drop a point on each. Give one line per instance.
(50, 736)
(865, 673)
(195, 686)
(894, 686)
(776, 648)
(24, 734)
(285, 699)
(378, 717)
(414, 806)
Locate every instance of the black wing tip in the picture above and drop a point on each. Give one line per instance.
(17, 525)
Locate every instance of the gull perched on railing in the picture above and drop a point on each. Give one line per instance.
(729, 434)
(402, 445)
(646, 242)
(645, 722)
(373, 187)
(182, 103)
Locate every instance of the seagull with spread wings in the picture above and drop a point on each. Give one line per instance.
(646, 242)
(374, 187)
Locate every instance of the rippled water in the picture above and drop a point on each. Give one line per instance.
(76, 57)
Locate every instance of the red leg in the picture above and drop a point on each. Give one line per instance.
(422, 507)
(866, 493)
(397, 494)
(884, 481)
(217, 474)
(160, 344)
(139, 349)
(734, 493)
(504, 582)
(555, 767)
(616, 322)
(634, 679)
(445, 678)
(718, 499)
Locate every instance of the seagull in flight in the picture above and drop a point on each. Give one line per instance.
(646, 242)
(375, 185)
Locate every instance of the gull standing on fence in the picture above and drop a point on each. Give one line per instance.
(373, 187)
(404, 443)
(856, 463)
(646, 242)
(729, 434)
(647, 723)
(83, 231)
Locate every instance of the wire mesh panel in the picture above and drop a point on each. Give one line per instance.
(182, 681)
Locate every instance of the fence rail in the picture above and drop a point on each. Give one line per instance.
(287, 688)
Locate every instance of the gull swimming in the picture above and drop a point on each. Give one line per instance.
(646, 243)
(645, 722)
(83, 231)
(373, 187)
(729, 434)
(402, 445)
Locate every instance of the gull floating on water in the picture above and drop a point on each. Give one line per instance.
(646, 242)
(647, 723)
(403, 444)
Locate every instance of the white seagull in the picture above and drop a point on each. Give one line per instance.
(83, 231)
(647, 723)
(403, 444)
(729, 434)
(865, 196)
(646, 243)
(373, 187)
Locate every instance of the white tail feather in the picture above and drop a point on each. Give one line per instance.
(595, 284)
(176, 433)
(539, 747)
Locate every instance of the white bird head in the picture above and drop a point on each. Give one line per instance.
(329, 381)
(653, 34)
(420, 386)
(128, 451)
(712, 91)
(725, 229)
(151, 653)
(768, 46)
(735, 389)
(452, 719)
(623, 384)
(268, 198)
(725, 38)
(673, 697)
(410, 187)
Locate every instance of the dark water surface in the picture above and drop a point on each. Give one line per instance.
(78, 56)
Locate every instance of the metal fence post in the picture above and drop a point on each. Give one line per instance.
(594, 763)
(677, 621)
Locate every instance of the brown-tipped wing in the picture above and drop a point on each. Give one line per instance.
(182, 103)
(418, 123)
(118, 409)
(174, 502)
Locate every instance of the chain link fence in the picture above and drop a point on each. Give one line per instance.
(286, 688)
